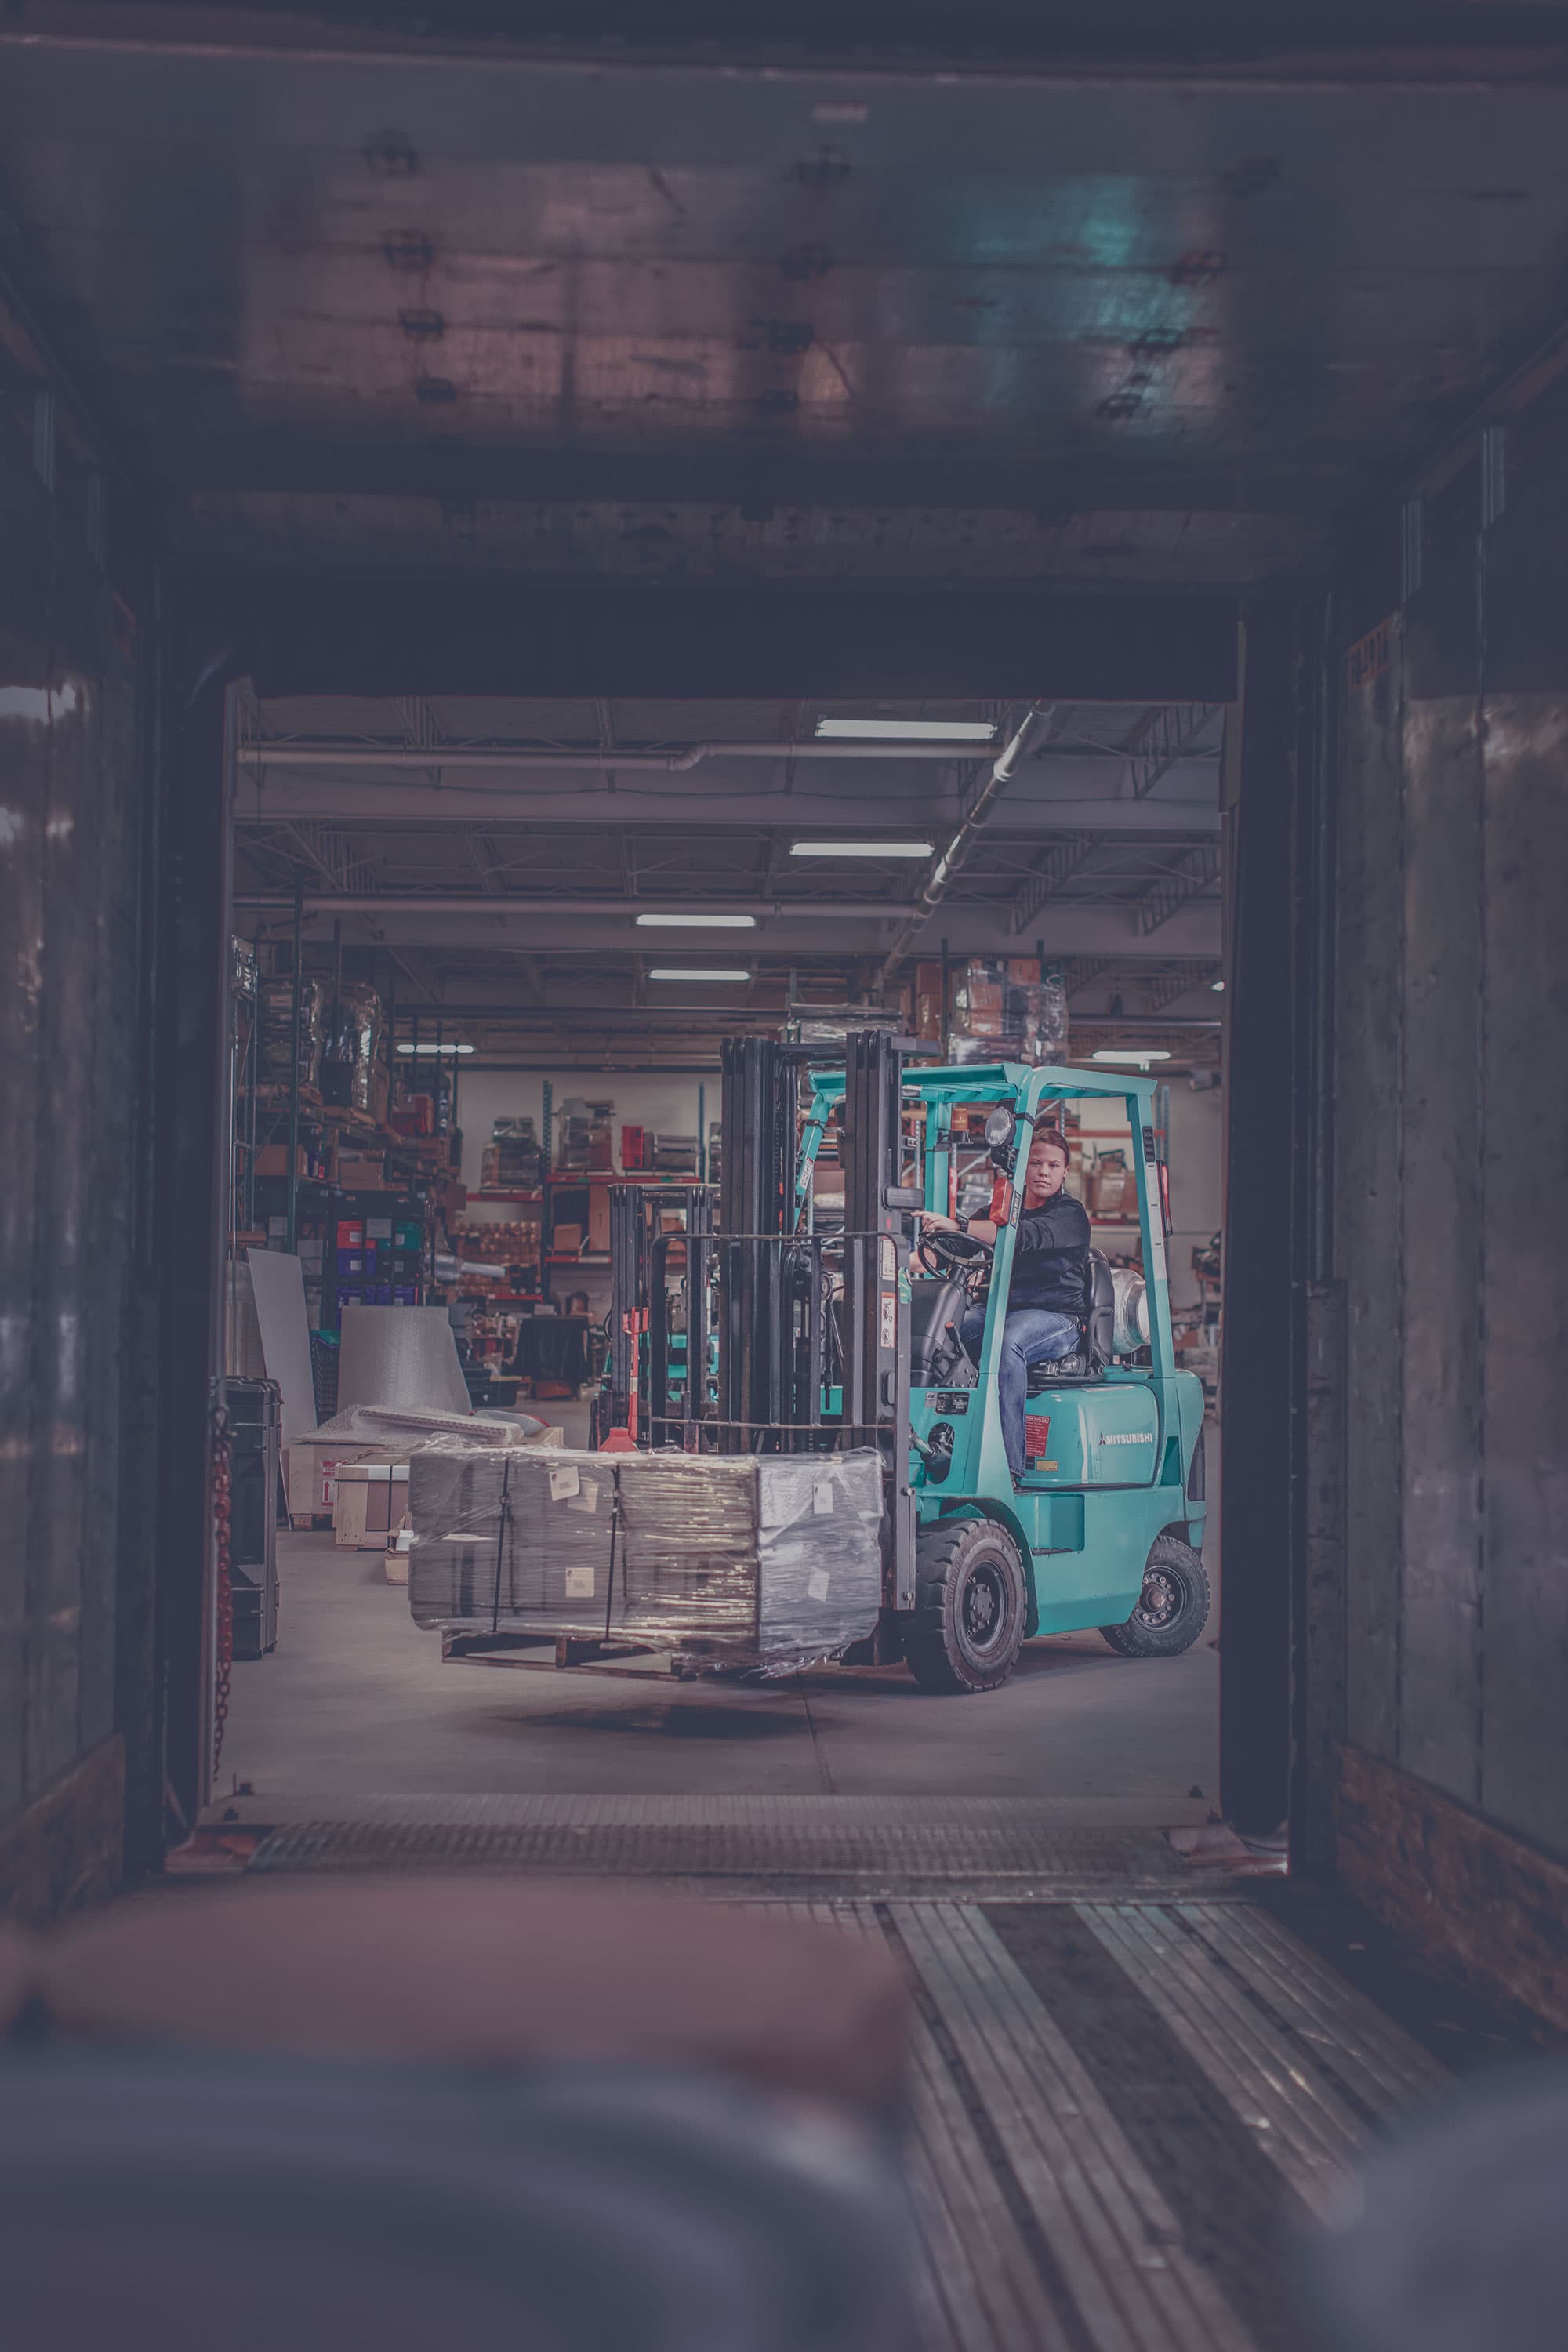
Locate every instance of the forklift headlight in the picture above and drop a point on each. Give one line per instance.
(1000, 1129)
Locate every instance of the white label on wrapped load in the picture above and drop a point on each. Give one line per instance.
(563, 1483)
(822, 1497)
(586, 1498)
(816, 1584)
(580, 1580)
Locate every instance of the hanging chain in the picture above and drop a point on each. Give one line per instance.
(223, 1533)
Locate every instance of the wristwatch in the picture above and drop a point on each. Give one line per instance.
(963, 1223)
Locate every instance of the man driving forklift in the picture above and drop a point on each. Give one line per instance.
(1049, 1292)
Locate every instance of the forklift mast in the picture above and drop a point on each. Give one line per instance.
(790, 1297)
(637, 1371)
(878, 1211)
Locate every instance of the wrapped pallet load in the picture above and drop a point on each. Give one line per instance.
(772, 1562)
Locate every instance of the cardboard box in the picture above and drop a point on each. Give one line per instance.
(360, 1172)
(1115, 1189)
(567, 1240)
(272, 1159)
(369, 1503)
(310, 1472)
(399, 1544)
(599, 1217)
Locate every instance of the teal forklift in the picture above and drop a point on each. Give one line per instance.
(766, 1325)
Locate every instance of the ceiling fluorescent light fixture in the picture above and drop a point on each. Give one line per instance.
(861, 848)
(1143, 1057)
(678, 971)
(694, 921)
(436, 1049)
(905, 731)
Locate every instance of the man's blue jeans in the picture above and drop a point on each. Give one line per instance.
(1031, 1335)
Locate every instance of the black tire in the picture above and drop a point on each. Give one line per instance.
(1172, 1609)
(966, 1627)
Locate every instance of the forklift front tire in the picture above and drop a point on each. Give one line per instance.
(1173, 1608)
(966, 1627)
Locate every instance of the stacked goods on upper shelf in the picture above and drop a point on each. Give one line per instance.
(413, 1115)
(274, 1042)
(587, 1135)
(636, 1147)
(511, 1161)
(675, 1155)
(509, 1244)
(353, 1073)
(1011, 1009)
(931, 1007)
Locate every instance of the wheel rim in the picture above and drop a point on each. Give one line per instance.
(1162, 1601)
(982, 1609)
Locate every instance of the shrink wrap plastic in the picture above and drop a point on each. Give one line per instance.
(774, 1560)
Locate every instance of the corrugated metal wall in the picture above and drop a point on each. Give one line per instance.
(1452, 1141)
(74, 1563)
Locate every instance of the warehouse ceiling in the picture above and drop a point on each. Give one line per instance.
(864, 295)
(489, 861)
(489, 291)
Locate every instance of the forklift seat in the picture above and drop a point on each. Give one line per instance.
(936, 1312)
(1099, 1335)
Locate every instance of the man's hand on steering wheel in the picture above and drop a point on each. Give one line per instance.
(944, 1243)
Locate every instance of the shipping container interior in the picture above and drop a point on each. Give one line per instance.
(460, 479)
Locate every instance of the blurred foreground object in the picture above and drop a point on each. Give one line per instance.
(1455, 2237)
(543, 2117)
(492, 1972)
(153, 2200)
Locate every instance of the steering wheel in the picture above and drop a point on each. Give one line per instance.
(953, 1253)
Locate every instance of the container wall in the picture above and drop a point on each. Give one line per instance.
(1452, 1145)
(74, 1577)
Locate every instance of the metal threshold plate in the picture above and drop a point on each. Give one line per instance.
(872, 1842)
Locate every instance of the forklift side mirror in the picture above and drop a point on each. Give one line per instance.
(1000, 1129)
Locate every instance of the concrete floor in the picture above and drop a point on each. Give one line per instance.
(355, 1700)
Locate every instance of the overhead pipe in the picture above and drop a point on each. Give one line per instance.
(409, 902)
(955, 856)
(304, 754)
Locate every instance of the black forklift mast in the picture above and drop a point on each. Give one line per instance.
(635, 1390)
(778, 1310)
(759, 1383)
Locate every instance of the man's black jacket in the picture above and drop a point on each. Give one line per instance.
(1050, 1257)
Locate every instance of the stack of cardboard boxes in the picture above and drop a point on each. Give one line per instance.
(999, 1009)
(511, 1161)
(587, 1134)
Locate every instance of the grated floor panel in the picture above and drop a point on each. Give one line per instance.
(1129, 2091)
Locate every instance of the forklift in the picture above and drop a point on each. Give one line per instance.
(764, 1324)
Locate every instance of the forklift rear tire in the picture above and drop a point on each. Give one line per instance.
(966, 1627)
(1173, 1608)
